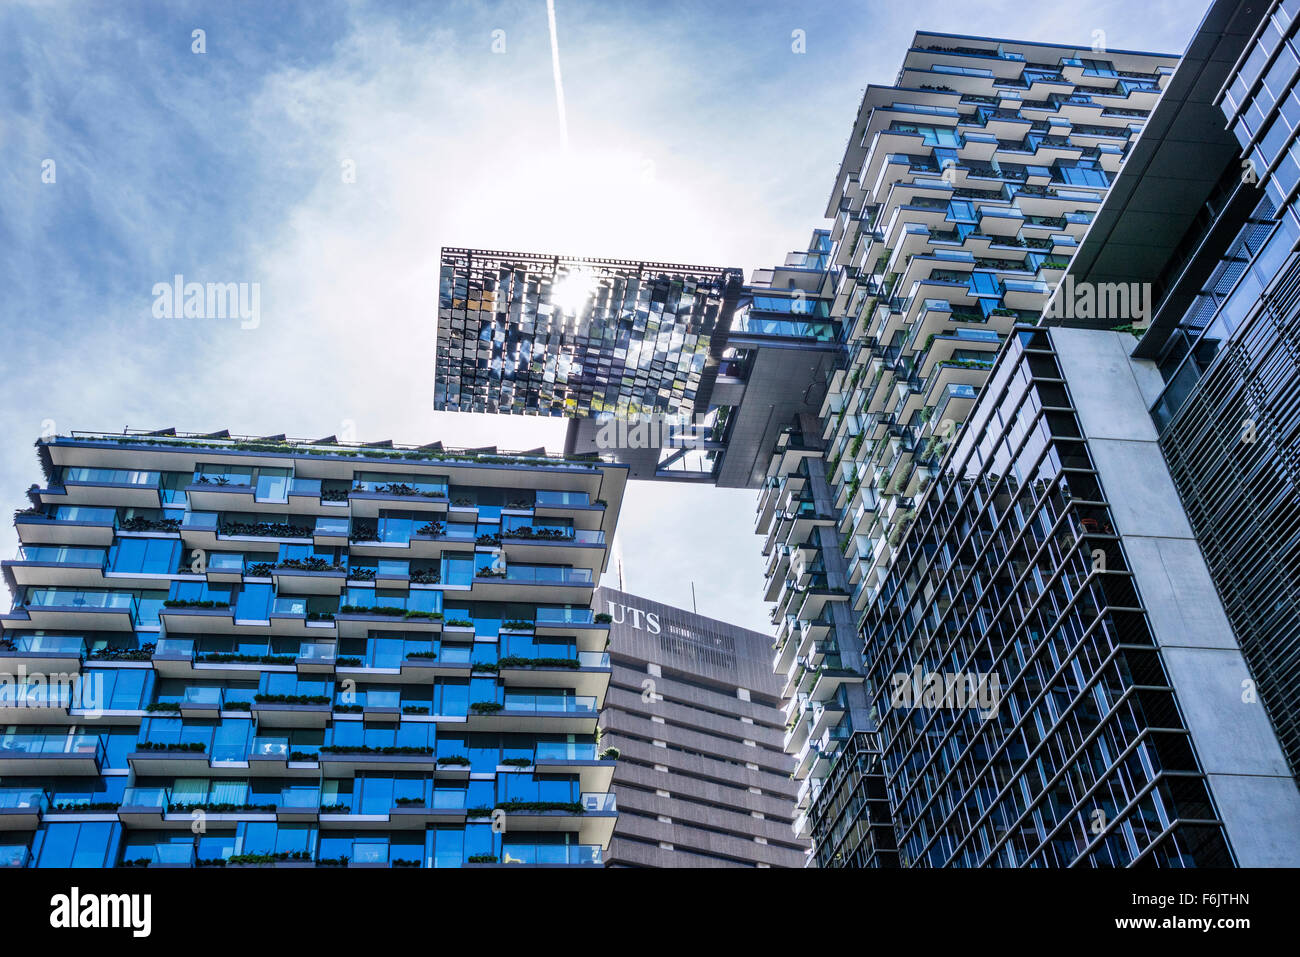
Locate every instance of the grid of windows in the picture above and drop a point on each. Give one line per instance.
(1012, 571)
(354, 657)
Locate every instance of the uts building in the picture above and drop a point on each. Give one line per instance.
(695, 713)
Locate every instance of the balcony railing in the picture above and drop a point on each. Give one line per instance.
(552, 854)
(14, 855)
(50, 645)
(44, 744)
(549, 703)
(24, 798)
(160, 798)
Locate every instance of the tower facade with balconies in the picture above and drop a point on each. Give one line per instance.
(328, 654)
(964, 190)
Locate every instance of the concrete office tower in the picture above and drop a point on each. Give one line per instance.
(694, 710)
(343, 654)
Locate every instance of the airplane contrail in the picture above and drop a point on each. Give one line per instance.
(559, 84)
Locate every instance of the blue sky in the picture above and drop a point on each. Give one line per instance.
(696, 135)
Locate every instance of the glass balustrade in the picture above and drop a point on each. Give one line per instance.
(23, 799)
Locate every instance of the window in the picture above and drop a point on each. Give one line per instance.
(88, 844)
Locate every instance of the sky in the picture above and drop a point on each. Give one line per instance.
(326, 150)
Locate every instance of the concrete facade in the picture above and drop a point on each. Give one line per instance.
(1243, 762)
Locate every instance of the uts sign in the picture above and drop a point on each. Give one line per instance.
(620, 614)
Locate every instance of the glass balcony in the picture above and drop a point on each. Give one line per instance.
(542, 701)
(111, 477)
(512, 853)
(14, 855)
(565, 616)
(160, 798)
(552, 497)
(301, 486)
(20, 743)
(173, 855)
(318, 652)
(200, 521)
(88, 514)
(60, 555)
(205, 698)
(24, 798)
(593, 659)
(226, 562)
(369, 853)
(178, 648)
(289, 606)
(334, 527)
(72, 598)
(50, 645)
(548, 575)
(272, 747)
(300, 798)
(568, 751)
(372, 698)
(599, 802)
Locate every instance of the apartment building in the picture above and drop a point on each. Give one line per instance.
(963, 193)
(329, 654)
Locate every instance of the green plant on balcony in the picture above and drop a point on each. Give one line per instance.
(194, 603)
(456, 759)
(611, 754)
(223, 657)
(266, 530)
(487, 571)
(517, 762)
(291, 698)
(516, 661)
(460, 622)
(432, 529)
(139, 524)
(516, 624)
(190, 746)
(487, 667)
(486, 707)
(603, 618)
(164, 706)
(515, 806)
(364, 532)
(481, 859)
(473, 812)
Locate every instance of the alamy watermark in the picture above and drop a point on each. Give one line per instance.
(957, 691)
(654, 430)
(179, 299)
(38, 689)
(1120, 302)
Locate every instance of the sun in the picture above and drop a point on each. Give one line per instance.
(571, 291)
